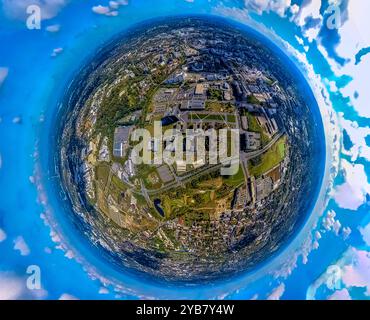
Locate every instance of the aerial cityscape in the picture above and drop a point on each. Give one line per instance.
(184, 220)
(184, 149)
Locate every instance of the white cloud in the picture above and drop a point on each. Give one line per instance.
(332, 85)
(69, 254)
(11, 287)
(351, 270)
(101, 9)
(53, 28)
(17, 120)
(340, 295)
(67, 296)
(312, 33)
(309, 10)
(122, 2)
(260, 6)
(112, 14)
(114, 4)
(308, 17)
(346, 231)
(56, 52)
(330, 223)
(2, 235)
(103, 290)
(354, 32)
(352, 193)
(299, 40)
(357, 273)
(111, 9)
(17, 9)
(294, 9)
(354, 36)
(3, 74)
(280, 7)
(234, 13)
(359, 85)
(357, 136)
(365, 232)
(21, 246)
(277, 293)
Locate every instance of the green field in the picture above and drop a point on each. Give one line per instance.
(215, 94)
(255, 127)
(212, 117)
(116, 188)
(235, 180)
(200, 197)
(231, 118)
(102, 174)
(215, 106)
(145, 172)
(270, 159)
(123, 100)
(253, 100)
(203, 116)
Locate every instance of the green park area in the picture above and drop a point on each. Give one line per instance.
(236, 180)
(217, 106)
(254, 126)
(269, 159)
(123, 100)
(200, 198)
(212, 117)
(253, 100)
(149, 175)
(215, 94)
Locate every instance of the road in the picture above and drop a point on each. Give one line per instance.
(208, 169)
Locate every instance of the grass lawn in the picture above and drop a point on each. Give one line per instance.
(270, 159)
(102, 174)
(231, 118)
(210, 117)
(200, 199)
(235, 180)
(117, 187)
(253, 124)
(255, 127)
(216, 106)
(253, 100)
(148, 173)
(215, 94)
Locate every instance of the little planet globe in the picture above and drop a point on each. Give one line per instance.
(202, 88)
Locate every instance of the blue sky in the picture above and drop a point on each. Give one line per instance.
(329, 258)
